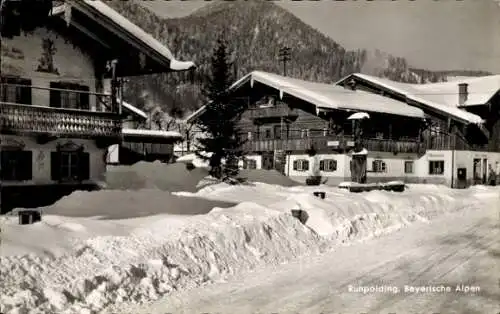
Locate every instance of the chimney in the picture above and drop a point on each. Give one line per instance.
(463, 93)
(351, 84)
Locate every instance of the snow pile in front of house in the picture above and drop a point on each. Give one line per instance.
(90, 264)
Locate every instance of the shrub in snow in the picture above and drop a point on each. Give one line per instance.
(313, 180)
(190, 166)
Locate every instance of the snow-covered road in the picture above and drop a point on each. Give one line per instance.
(456, 249)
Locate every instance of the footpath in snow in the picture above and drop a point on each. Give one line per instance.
(88, 264)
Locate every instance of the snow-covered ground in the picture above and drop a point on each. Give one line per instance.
(87, 264)
(457, 255)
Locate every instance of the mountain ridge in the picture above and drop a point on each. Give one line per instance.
(255, 31)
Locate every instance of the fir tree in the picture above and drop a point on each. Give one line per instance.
(219, 122)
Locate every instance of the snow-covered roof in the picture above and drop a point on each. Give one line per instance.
(134, 110)
(326, 96)
(152, 133)
(442, 96)
(138, 34)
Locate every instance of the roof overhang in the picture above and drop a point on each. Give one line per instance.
(119, 38)
(133, 110)
(416, 101)
(151, 136)
(321, 103)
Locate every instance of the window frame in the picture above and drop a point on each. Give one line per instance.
(67, 98)
(433, 162)
(298, 165)
(409, 162)
(9, 165)
(74, 168)
(379, 166)
(249, 164)
(17, 90)
(328, 165)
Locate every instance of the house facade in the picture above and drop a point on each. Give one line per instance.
(57, 119)
(462, 134)
(139, 143)
(303, 129)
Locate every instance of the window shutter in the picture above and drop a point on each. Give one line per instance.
(322, 165)
(25, 92)
(295, 165)
(55, 166)
(84, 166)
(84, 98)
(245, 164)
(55, 96)
(26, 158)
(3, 163)
(305, 165)
(333, 165)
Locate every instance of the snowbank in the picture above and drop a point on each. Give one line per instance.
(267, 176)
(143, 259)
(113, 204)
(147, 175)
(169, 254)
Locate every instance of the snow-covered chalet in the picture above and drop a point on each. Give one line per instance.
(441, 133)
(60, 107)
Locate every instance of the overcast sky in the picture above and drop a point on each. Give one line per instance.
(436, 35)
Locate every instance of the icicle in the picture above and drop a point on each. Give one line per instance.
(67, 14)
(281, 94)
(251, 82)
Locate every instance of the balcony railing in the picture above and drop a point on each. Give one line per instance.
(279, 110)
(323, 143)
(55, 112)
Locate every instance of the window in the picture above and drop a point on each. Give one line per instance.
(267, 134)
(304, 133)
(379, 166)
(277, 131)
(436, 167)
(301, 165)
(408, 166)
(249, 164)
(70, 166)
(69, 95)
(325, 131)
(15, 90)
(17, 165)
(328, 165)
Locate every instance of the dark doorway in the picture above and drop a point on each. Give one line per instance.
(268, 160)
(461, 178)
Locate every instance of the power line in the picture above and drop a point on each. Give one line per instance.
(284, 57)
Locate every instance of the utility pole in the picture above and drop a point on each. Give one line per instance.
(284, 56)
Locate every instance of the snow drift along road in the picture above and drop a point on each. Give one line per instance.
(170, 252)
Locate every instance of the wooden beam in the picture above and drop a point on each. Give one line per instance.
(82, 29)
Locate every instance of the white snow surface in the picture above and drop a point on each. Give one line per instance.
(358, 116)
(134, 109)
(195, 160)
(152, 133)
(84, 265)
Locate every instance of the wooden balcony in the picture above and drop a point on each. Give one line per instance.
(21, 115)
(333, 143)
(277, 111)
